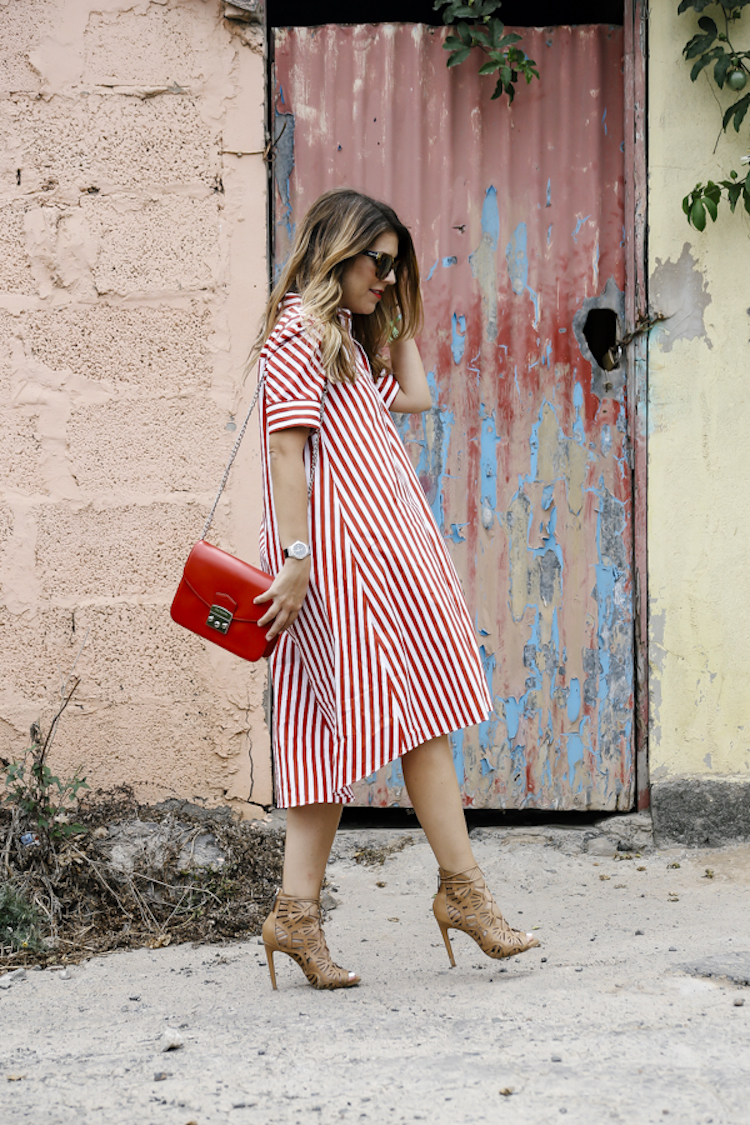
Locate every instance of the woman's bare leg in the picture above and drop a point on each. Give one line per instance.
(310, 830)
(432, 785)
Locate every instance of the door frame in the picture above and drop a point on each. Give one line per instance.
(636, 307)
(635, 55)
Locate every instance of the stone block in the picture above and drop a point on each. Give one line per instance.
(6, 526)
(15, 263)
(149, 349)
(23, 25)
(701, 812)
(114, 552)
(21, 453)
(9, 328)
(160, 749)
(95, 143)
(145, 446)
(150, 46)
(167, 244)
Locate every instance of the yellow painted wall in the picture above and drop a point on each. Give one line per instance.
(132, 279)
(699, 418)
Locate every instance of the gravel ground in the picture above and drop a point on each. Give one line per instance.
(633, 1009)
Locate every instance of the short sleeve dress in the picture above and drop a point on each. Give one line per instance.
(382, 656)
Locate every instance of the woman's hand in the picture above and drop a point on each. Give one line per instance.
(286, 595)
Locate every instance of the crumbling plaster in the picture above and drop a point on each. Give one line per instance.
(132, 277)
(699, 402)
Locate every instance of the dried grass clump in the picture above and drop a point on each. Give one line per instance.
(88, 900)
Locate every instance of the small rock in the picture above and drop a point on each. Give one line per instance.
(672, 949)
(543, 959)
(639, 933)
(134, 997)
(507, 1091)
(738, 1002)
(8, 979)
(580, 969)
(161, 1076)
(556, 1058)
(601, 846)
(171, 1040)
(327, 901)
(65, 974)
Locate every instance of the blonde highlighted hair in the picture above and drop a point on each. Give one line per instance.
(339, 225)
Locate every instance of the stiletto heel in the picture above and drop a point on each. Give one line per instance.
(272, 971)
(447, 940)
(293, 927)
(464, 902)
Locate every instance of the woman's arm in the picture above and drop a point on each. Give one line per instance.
(414, 396)
(289, 587)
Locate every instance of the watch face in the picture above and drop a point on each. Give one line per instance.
(298, 550)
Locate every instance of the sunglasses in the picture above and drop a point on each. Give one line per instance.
(384, 263)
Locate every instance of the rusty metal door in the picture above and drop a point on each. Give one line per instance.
(518, 217)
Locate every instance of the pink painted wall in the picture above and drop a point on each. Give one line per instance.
(132, 277)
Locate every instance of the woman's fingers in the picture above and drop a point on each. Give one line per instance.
(286, 595)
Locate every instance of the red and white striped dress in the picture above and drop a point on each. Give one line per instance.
(382, 656)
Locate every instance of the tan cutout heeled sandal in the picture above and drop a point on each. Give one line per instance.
(293, 927)
(464, 902)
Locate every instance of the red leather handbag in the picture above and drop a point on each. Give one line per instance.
(215, 598)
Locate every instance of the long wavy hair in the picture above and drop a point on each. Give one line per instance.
(339, 225)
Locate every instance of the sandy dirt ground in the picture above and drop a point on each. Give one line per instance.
(635, 1008)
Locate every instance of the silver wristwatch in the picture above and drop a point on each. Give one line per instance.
(297, 550)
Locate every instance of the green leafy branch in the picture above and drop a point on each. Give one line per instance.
(40, 802)
(477, 28)
(731, 69)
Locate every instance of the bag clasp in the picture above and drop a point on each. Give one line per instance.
(219, 619)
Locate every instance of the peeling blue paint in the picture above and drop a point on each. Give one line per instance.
(435, 425)
(455, 534)
(549, 194)
(574, 699)
(472, 365)
(448, 262)
(488, 441)
(483, 260)
(457, 750)
(574, 751)
(581, 222)
(284, 125)
(487, 731)
(458, 337)
(604, 122)
(395, 775)
(516, 257)
(435, 266)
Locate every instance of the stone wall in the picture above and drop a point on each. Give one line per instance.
(132, 277)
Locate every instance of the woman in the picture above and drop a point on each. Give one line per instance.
(376, 657)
